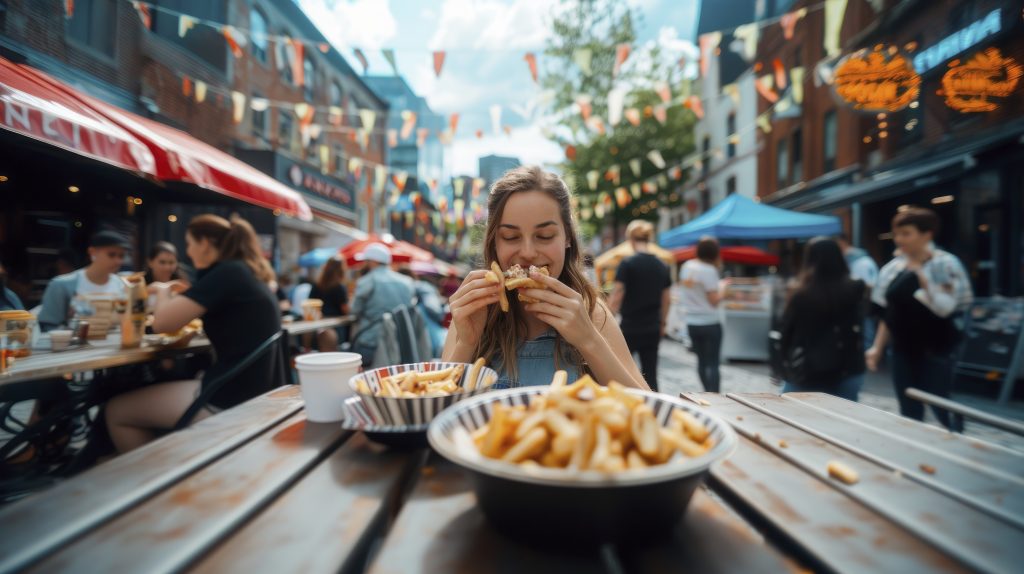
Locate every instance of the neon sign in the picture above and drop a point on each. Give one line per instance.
(878, 80)
(958, 42)
(970, 86)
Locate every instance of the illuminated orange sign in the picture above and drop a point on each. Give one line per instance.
(971, 86)
(878, 80)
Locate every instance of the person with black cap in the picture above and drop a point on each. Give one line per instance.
(107, 251)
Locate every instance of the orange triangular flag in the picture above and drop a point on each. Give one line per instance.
(479, 134)
(585, 107)
(69, 8)
(788, 22)
(780, 74)
(632, 116)
(186, 86)
(570, 152)
(763, 86)
(324, 47)
(236, 50)
(621, 53)
(660, 114)
(438, 62)
(694, 103)
(531, 60)
(392, 138)
(408, 123)
(453, 123)
(144, 14)
(507, 130)
(298, 71)
(421, 136)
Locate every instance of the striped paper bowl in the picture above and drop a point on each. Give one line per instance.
(581, 506)
(419, 410)
(358, 418)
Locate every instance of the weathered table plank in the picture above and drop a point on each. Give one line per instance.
(174, 528)
(38, 524)
(324, 522)
(975, 537)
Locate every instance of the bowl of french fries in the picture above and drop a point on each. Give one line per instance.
(413, 394)
(582, 462)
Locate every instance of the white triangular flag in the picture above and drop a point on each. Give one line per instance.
(238, 99)
(496, 119)
(616, 99)
(655, 157)
(369, 118)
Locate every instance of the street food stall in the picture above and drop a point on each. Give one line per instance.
(606, 264)
(746, 307)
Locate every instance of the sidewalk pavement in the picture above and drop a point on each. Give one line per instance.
(677, 372)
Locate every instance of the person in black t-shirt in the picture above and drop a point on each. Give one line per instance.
(239, 313)
(641, 295)
(332, 292)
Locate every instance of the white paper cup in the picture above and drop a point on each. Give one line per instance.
(60, 339)
(323, 378)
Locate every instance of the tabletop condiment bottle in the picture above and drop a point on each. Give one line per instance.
(133, 322)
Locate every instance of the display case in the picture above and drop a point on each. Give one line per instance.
(746, 319)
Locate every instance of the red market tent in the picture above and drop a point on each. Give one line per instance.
(733, 254)
(34, 108)
(401, 251)
(183, 158)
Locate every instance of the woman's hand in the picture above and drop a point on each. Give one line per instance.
(563, 309)
(469, 307)
(871, 357)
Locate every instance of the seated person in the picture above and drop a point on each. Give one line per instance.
(331, 290)
(9, 301)
(239, 313)
(380, 291)
(106, 255)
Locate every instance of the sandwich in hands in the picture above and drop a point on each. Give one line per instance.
(516, 277)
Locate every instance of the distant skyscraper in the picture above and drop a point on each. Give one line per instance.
(493, 167)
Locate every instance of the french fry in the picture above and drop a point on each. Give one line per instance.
(635, 460)
(529, 446)
(602, 444)
(439, 375)
(474, 374)
(842, 472)
(693, 427)
(499, 430)
(645, 430)
(363, 388)
(502, 296)
(561, 377)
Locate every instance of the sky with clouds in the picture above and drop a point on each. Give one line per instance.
(485, 41)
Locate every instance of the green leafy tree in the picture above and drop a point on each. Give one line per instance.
(600, 26)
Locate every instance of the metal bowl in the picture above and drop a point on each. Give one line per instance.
(584, 507)
(419, 410)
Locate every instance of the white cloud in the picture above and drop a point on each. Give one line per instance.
(362, 23)
(527, 144)
(491, 24)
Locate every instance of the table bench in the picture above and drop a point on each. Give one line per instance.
(259, 488)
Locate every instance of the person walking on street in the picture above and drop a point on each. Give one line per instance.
(922, 292)
(701, 294)
(863, 268)
(107, 251)
(380, 291)
(822, 346)
(641, 295)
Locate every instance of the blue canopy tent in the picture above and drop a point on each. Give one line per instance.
(740, 218)
(317, 257)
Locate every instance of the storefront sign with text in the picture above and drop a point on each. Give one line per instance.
(876, 80)
(978, 84)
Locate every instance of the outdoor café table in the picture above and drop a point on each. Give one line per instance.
(257, 488)
(96, 355)
(303, 327)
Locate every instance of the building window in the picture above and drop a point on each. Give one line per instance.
(309, 80)
(204, 42)
(781, 164)
(334, 94)
(730, 185)
(285, 130)
(798, 156)
(259, 120)
(95, 25)
(830, 138)
(705, 156)
(258, 35)
(283, 55)
(730, 133)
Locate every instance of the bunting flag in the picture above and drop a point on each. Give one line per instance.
(656, 159)
(635, 190)
(582, 58)
(334, 115)
(745, 43)
(234, 40)
(834, 12)
(421, 136)
(696, 106)
(495, 118)
(583, 101)
(380, 177)
(459, 185)
(186, 86)
(362, 60)
(764, 86)
(479, 134)
(531, 61)
(408, 123)
(238, 99)
(144, 14)
(478, 184)
(764, 122)
(369, 118)
(622, 197)
(661, 114)
(708, 44)
(460, 207)
(259, 104)
(298, 71)
(796, 76)
(453, 123)
(780, 74)
(597, 124)
(662, 181)
(438, 63)
(364, 139)
(69, 8)
(634, 166)
(613, 174)
(664, 92)
(389, 55)
(392, 138)
(676, 173)
(599, 211)
(304, 112)
(399, 180)
(325, 158)
(592, 178)
(788, 22)
(621, 53)
(355, 166)
(633, 116)
(824, 73)
(570, 152)
(733, 91)
(616, 99)
(324, 47)
(200, 91)
(185, 23)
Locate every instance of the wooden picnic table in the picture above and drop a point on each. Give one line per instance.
(259, 488)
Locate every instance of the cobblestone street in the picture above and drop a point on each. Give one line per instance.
(677, 372)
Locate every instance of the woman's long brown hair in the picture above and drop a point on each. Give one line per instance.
(331, 275)
(504, 332)
(234, 239)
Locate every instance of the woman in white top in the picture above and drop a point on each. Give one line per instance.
(699, 278)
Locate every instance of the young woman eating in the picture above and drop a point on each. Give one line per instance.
(569, 327)
(239, 313)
